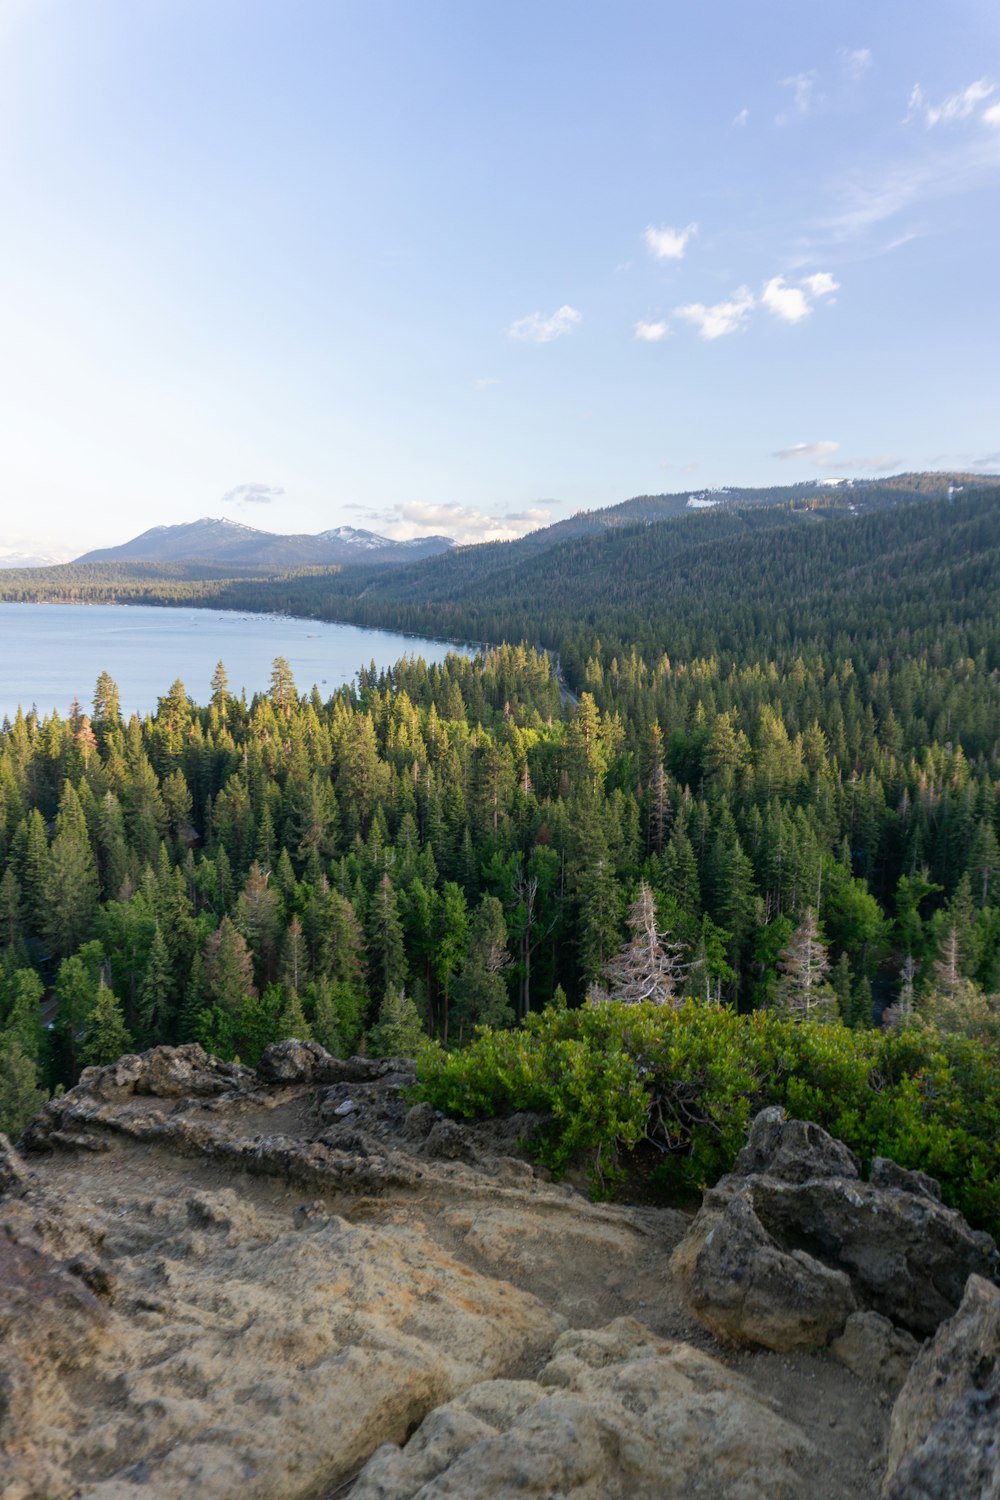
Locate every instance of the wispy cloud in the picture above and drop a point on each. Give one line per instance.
(820, 452)
(741, 119)
(465, 523)
(538, 329)
(857, 63)
(722, 317)
(651, 333)
(802, 86)
(826, 455)
(667, 243)
(866, 201)
(956, 107)
(484, 382)
(252, 494)
(991, 116)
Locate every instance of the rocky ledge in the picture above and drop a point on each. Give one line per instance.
(294, 1282)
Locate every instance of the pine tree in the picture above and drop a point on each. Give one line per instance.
(220, 690)
(842, 981)
(648, 967)
(258, 917)
(450, 948)
(11, 922)
(292, 1023)
(193, 1002)
(107, 1037)
(228, 968)
(71, 887)
(31, 857)
(804, 992)
(76, 987)
(107, 710)
(283, 694)
(481, 997)
(293, 957)
(154, 1013)
(24, 993)
(20, 1096)
(860, 1014)
(398, 1031)
(386, 954)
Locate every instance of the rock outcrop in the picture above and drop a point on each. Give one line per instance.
(615, 1413)
(242, 1283)
(792, 1242)
(215, 1281)
(944, 1441)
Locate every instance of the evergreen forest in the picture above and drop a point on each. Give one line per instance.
(749, 761)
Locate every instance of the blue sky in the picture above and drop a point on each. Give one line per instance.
(466, 266)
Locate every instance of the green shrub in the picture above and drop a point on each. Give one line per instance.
(689, 1081)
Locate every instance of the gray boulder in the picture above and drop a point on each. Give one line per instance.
(795, 1226)
(944, 1441)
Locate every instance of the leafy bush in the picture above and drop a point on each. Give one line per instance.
(690, 1080)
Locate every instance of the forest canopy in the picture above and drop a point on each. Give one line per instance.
(775, 769)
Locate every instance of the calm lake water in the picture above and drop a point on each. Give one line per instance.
(53, 653)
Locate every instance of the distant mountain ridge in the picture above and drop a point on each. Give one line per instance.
(219, 541)
(857, 495)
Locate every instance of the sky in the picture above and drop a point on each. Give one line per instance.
(441, 266)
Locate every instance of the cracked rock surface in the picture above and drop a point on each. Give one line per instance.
(221, 1282)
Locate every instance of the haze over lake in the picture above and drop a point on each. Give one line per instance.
(53, 653)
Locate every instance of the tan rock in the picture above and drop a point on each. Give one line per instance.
(616, 1414)
(236, 1292)
(874, 1350)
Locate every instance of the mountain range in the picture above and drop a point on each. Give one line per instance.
(218, 541)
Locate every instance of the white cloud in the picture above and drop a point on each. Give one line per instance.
(651, 333)
(856, 63)
(792, 303)
(464, 523)
(821, 284)
(537, 329)
(819, 451)
(668, 244)
(956, 107)
(789, 303)
(721, 318)
(252, 494)
(742, 117)
(991, 116)
(801, 85)
(484, 382)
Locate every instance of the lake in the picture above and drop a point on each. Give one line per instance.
(53, 653)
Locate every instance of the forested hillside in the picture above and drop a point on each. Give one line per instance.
(784, 763)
